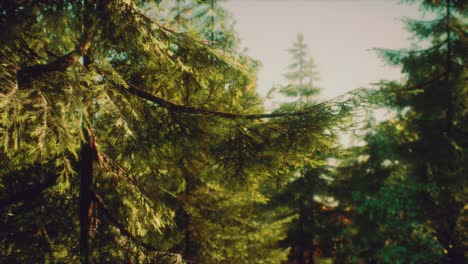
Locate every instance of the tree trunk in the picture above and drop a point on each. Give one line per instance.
(87, 153)
(188, 250)
(85, 208)
(311, 255)
(300, 235)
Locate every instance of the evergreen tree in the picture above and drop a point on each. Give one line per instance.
(178, 14)
(216, 24)
(302, 196)
(302, 73)
(436, 118)
(107, 113)
(382, 204)
(213, 226)
(411, 207)
(207, 20)
(311, 232)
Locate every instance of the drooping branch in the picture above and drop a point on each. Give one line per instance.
(420, 85)
(111, 166)
(171, 106)
(123, 230)
(423, 84)
(196, 110)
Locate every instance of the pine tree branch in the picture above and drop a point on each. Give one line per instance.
(62, 63)
(111, 166)
(123, 230)
(420, 85)
(195, 110)
(171, 106)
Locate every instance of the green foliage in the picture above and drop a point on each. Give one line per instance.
(156, 100)
(303, 198)
(178, 144)
(207, 20)
(407, 183)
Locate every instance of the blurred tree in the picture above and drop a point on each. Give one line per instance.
(306, 188)
(374, 191)
(302, 74)
(436, 118)
(410, 188)
(314, 223)
(207, 20)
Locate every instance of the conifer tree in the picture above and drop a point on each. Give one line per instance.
(409, 184)
(207, 20)
(301, 196)
(216, 24)
(302, 73)
(108, 113)
(201, 238)
(437, 118)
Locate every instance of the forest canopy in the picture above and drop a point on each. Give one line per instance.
(132, 132)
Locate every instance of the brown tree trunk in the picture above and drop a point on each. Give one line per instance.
(85, 208)
(87, 156)
(188, 249)
(311, 255)
(300, 235)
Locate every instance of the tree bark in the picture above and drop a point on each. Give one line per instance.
(311, 255)
(85, 200)
(188, 250)
(300, 234)
(87, 155)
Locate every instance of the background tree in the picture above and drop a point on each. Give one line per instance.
(302, 73)
(415, 163)
(207, 20)
(302, 194)
(216, 24)
(382, 204)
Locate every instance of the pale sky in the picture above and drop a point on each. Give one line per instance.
(339, 33)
